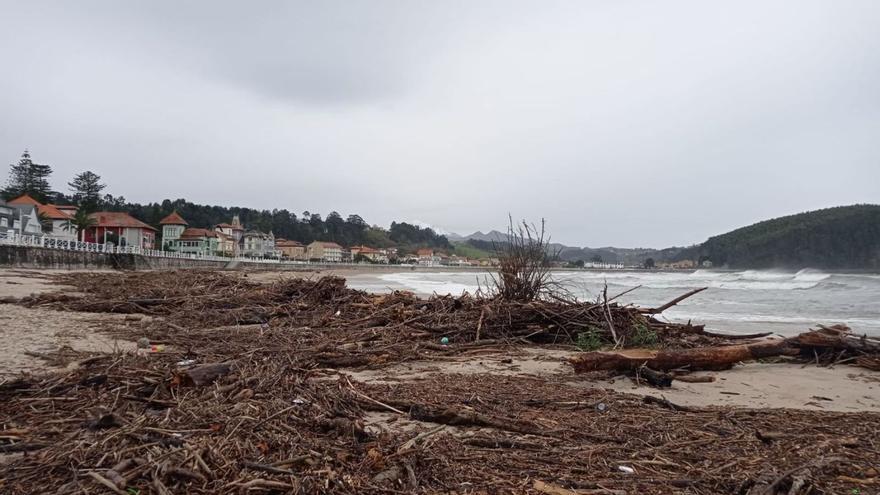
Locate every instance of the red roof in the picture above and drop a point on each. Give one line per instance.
(364, 249)
(192, 233)
(52, 212)
(117, 219)
(327, 244)
(425, 252)
(173, 219)
(24, 199)
(287, 243)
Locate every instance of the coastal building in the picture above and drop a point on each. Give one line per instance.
(426, 257)
(121, 229)
(172, 228)
(178, 236)
(373, 255)
(203, 242)
(51, 220)
(18, 219)
(234, 230)
(325, 251)
(257, 244)
(226, 245)
(291, 249)
(456, 261)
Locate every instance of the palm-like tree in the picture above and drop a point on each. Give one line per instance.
(81, 221)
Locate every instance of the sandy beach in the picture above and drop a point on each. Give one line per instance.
(30, 332)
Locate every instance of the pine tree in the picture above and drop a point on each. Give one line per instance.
(30, 178)
(86, 188)
(19, 177)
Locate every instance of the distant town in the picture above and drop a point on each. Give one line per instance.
(25, 216)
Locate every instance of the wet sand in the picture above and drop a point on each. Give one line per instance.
(29, 332)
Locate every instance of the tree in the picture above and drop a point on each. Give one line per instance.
(81, 221)
(86, 188)
(649, 263)
(30, 178)
(114, 203)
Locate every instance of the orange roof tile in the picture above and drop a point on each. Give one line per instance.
(52, 212)
(328, 244)
(24, 199)
(287, 243)
(118, 219)
(173, 219)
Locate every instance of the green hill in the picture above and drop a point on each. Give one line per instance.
(844, 237)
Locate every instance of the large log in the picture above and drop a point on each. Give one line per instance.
(705, 358)
(837, 337)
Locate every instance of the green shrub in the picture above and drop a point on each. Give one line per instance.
(590, 340)
(643, 336)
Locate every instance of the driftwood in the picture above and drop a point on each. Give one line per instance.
(654, 378)
(836, 339)
(660, 309)
(706, 358)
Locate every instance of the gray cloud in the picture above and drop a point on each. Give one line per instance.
(622, 123)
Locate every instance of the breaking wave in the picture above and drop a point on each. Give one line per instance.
(740, 280)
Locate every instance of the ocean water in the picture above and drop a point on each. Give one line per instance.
(735, 301)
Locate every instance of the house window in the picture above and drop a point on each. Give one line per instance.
(4, 222)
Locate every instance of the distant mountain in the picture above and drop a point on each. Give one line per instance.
(636, 256)
(491, 236)
(844, 237)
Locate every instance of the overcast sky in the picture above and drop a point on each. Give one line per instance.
(626, 123)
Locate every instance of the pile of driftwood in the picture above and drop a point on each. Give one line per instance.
(248, 397)
(207, 299)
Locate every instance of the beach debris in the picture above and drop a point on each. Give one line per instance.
(276, 407)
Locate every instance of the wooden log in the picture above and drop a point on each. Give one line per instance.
(837, 337)
(654, 378)
(705, 358)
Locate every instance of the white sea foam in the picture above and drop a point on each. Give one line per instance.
(430, 283)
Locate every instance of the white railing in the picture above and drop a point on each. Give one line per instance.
(74, 245)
